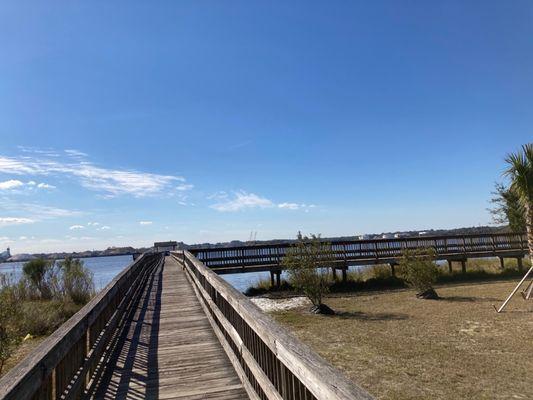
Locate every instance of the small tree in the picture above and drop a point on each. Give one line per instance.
(77, 280)
(507, 208)
(36, 271)
(307, 263)
(418, 269)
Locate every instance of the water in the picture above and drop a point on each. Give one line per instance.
(103, 268)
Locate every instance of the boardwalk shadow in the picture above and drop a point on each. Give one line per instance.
(132, 370)
(363, 316)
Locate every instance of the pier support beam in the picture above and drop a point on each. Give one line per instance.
(344, 275)
(502, 263)
(450, 269)
(272, 283)
(393, 269)
(519, 261)
(463, 266)
(278, 279)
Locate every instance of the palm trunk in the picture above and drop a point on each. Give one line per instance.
(529, 230)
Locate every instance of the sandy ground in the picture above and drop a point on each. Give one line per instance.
(270, 305)
(400, 347)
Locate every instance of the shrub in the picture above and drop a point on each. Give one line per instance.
(41, 276)
(77, 281)
(307, 264)
(418, 269)
(43, 317)
(9, 321)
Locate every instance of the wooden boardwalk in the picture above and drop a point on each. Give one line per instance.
(167, 348)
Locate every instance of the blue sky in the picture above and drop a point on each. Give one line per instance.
(122, 123)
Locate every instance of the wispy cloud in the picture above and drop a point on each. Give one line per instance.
(6, 221)
(15, 184)
(145, 222)
(111, 182)
(242, 200)
(104, 228)
(184, 186)
(76, 227)
(43, 185)
(76, 153)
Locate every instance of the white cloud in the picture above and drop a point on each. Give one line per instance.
(43, 185)
(93, 223)
(31, 183)
(241, 201)
(10, 184)
(23, 238)
(289, 206)
(76, 227)
(145, 222)
(104, 228)
(112, 182)
(184, 186)
(6, 221)
(76, 153)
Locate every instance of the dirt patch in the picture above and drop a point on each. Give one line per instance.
(399, 347)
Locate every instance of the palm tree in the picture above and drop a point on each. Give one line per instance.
(520, 172)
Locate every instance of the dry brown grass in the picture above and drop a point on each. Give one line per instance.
(400, 347)
(21, 352)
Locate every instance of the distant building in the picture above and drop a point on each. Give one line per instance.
(387, 236)
(5, 255)
(162, 247)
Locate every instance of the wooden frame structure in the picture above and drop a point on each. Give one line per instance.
(253, 258)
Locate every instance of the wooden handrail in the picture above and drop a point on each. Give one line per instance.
(368, 251)
(271, 362)
(62, 365)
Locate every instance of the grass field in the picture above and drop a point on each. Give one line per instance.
(400, 347)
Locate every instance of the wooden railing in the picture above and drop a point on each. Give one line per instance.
(62, 366)
(264, 257)
(271, 363)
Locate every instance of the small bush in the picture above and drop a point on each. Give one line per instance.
(42, 277)
(418, 269)
(77, 281)
(43, 317)
(308, 263)
(9, 321)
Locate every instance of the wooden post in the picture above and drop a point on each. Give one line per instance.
(502, 263)
(450, 270)
(334, 273)
(278, 279)
(344, 275)
(463, 266)
(271, 278)
(392, 270)
(520, 264)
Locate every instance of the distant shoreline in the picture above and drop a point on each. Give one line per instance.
(73, 256)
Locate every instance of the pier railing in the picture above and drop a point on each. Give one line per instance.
(363, 252)
(271, 363)
(62, 366)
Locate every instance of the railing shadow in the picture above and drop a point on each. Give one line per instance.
(132, 370)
